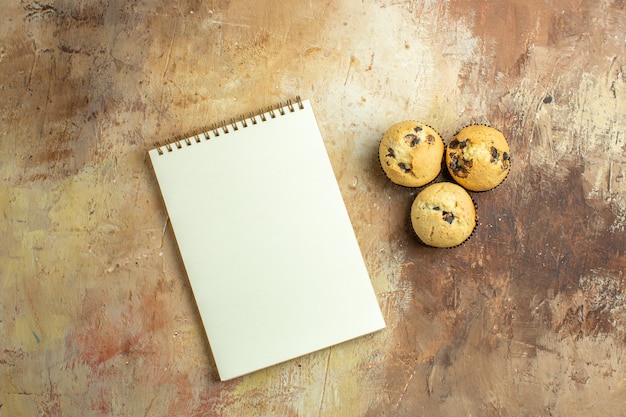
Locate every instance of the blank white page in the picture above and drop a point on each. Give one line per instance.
(266, 240)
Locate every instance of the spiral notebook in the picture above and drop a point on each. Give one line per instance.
(265, 239)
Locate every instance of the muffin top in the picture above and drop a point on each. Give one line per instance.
(443, 215)
(410, 153)
(478, 157)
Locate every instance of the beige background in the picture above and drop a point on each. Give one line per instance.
(526, 319)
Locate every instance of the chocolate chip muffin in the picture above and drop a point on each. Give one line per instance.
(443, 215)
(478, 157)
(410, 153)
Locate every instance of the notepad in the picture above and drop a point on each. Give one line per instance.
(265, 239)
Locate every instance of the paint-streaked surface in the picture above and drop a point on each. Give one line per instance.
(527, 318)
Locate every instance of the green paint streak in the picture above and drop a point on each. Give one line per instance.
(35, 334)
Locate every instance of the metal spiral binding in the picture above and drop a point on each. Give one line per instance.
(233, 125)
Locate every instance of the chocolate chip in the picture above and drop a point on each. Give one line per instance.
(437, 208)
(494, 154)
(454, 161)
(404, 167)
(448, 217)
(453, 144)
(457, 168)
(430, 139)
(463, 144)
(417, 129)
(506, 161)
(547, 100)
(468, 163)
(390, 153)
(411, 140)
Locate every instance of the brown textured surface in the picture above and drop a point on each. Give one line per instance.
(526, 319)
